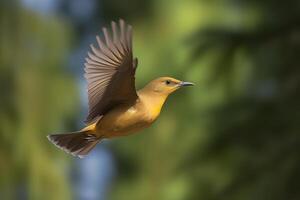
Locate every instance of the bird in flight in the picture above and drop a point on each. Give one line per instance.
(115, 107)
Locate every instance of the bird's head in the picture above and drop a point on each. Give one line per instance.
(166, 85)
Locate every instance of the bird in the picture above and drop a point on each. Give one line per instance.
(116, 108)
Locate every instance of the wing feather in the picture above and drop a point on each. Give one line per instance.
(109, 70)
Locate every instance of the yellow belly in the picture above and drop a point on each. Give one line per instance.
(127, 119)
(123, 121)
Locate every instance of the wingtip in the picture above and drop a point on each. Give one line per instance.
(99, 40)
(105, 31)
(113, 23)
(121, 20)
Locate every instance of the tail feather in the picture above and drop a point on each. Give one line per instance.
(77, 143)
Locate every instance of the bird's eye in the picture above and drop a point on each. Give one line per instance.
(168, 82)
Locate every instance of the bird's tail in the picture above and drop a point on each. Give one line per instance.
(77, 143)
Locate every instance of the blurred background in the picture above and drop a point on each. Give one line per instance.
(233, 136)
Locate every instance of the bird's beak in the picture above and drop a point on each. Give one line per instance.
(183, 83)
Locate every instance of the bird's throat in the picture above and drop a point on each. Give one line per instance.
(156, 107)
(153, 103)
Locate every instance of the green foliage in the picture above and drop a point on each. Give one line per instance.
(235, 134)
(36, 95)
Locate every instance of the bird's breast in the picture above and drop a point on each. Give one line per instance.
(124, 120)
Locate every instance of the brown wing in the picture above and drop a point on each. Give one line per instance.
(109, 71)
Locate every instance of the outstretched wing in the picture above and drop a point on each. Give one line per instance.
(110, 70)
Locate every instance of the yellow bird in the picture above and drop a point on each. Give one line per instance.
(115, 107)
